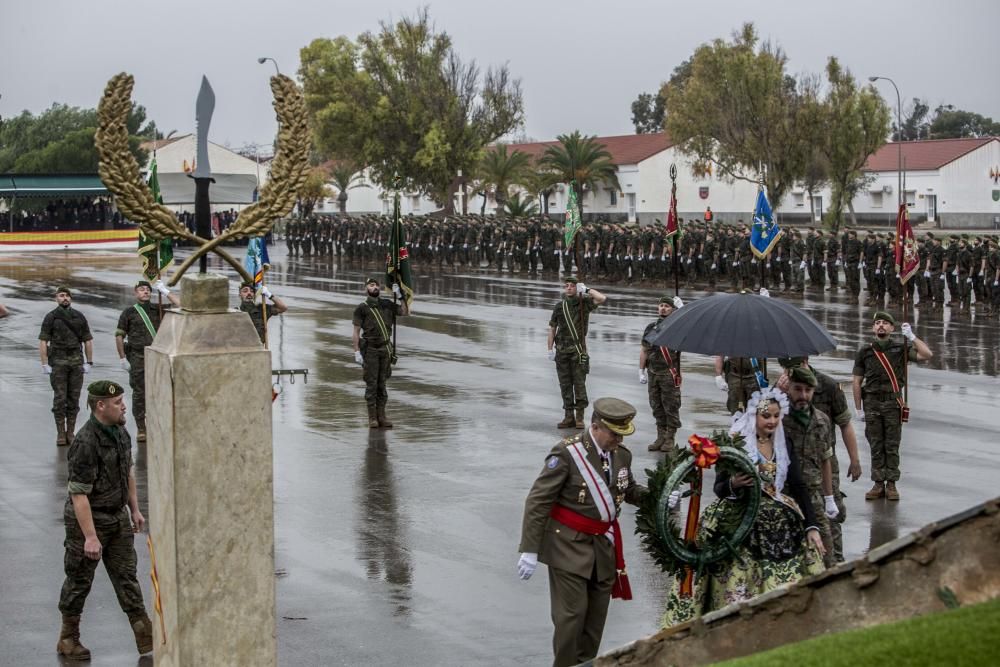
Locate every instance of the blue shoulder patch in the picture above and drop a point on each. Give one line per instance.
(552, 462)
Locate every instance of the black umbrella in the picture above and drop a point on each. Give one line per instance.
(742, 325)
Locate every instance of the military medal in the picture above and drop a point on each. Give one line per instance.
(583, 496)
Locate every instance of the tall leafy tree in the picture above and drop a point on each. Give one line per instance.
(952, 123)
(403, 102)
(855, 123)
(499, 171)
(916, 123)
(649, 110)
(740, 110)
(579, 160)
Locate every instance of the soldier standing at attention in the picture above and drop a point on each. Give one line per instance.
(374, 320)
(571, 524)
(64, 332)
(740, 378)
(567, 345)
(249, 305)
(101, 486)
(665, 384)
(879, 378)
(137, 326)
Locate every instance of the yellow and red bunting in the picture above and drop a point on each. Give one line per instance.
(70, 237)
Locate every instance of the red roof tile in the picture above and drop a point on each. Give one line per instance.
(624, 149)
(926, 155)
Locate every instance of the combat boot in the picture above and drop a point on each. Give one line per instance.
(70, 429)
(69, 644)
(142, 628)
(372, 417)
(140, 430)
(655, 445)
(890, 491)
(579, 418)
(568, 420)
(383, 421)
(60, 432)
(668, 444)
(877, 491)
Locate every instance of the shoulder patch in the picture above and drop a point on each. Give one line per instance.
(552, 462)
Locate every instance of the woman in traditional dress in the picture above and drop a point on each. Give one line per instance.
(783, 545)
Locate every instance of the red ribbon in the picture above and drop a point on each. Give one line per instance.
(705, 451)
(584, 524)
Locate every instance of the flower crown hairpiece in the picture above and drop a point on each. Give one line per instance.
(760, 401)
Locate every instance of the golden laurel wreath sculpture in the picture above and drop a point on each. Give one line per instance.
(120, 173)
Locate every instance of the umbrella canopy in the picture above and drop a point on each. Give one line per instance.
(742, 325)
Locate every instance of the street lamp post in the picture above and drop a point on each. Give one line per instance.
(273, 61)
(899, 134)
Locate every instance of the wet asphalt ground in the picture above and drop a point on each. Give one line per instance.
(399, 547)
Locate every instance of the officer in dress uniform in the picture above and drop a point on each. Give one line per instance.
(571, 524)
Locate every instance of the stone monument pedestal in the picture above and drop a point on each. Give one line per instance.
(211, 501)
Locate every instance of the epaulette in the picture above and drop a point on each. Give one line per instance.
(566, 442)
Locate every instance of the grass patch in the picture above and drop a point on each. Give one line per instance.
(968, 636)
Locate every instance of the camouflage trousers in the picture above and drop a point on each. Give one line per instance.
(572, 380)
(118, 554)
(884, 430)
(137, 381)
(837, 523)
(377, 370)
(740, 391)
(67, 382)
(823, 523)
(665, 400)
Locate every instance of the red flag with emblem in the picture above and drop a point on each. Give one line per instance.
(907, 257)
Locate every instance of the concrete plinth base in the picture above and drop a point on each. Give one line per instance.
(211, 511)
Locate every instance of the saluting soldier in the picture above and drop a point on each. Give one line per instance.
(879, 380)
(374, 320)
(98, 526)
(137, 327)
(249, 305)
(660, 371)
(567, 345)
(64, 333)
(571, 524)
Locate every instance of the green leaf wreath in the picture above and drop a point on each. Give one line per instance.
(661, 531)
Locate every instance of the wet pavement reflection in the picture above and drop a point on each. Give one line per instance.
(399, 546)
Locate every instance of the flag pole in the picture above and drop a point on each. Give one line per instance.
(394, 242)
(763, 260)
(263, 304)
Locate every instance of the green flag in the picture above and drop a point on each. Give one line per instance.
(397, 262)
(147, 254)
(573, 222)
(166, 246)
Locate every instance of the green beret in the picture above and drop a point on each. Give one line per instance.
(791, 362)
(62, 289)
(669, 300)
(615, 414)
(804, 375)
(142, 283)
(965, 236)
(371, 279)
(247, 284)
(569, 279)
(883, 315)
(104, 389)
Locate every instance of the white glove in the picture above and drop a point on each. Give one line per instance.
(837, 263)
(968, 280)
(764, 293)
(642, 376)
(714, 266)
(396, 291)
(161, 288)
(907, 331)
(860, 414)
(927, 274)
(557, 252)
(699, 256)
(720, 382)
(552, 354)
(802, 265)
(822, 263)
(358, 358)
(830, 507)
(753, 261)
(736, 263)
(678, 302)
(725, 255)
(266, 293)
(126, 366)
(673, 500)
(86, 367)
(768, 265)
(860, 266)
(526, 565)
(955, 272)
(943, 277)
(878, 272)
(689, 260)
(47, 369)
(996, 283)
(581, 288)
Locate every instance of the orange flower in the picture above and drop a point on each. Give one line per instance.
(706, 452)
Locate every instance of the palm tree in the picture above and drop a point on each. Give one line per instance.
(541, 184)
(581, 161)
(499, 170)
(520, 208)
(345, 176)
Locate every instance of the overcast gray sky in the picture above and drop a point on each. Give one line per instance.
(582, 63)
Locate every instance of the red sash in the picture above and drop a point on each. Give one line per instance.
(670, 364)
(584, 524)
(884, 360)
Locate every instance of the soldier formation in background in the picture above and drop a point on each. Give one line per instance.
(710, 255)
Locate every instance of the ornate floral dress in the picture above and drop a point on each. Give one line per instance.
(774, 554)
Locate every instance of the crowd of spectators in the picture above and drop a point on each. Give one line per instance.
(66, 215)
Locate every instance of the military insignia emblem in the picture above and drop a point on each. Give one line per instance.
(996, 195)
(111, 390)
(703, 192)
(552, 462)
(623, 478)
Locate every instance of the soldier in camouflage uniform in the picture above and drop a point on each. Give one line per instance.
(137, 326)
(809, 432)
(101, 486)
(373, 321)
(880, 404)
(249, 305)
(567, 346)
(660, 371)
(64, 332)
(739, 378)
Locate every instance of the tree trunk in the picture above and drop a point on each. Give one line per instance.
(850, 209)
(342, 201)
